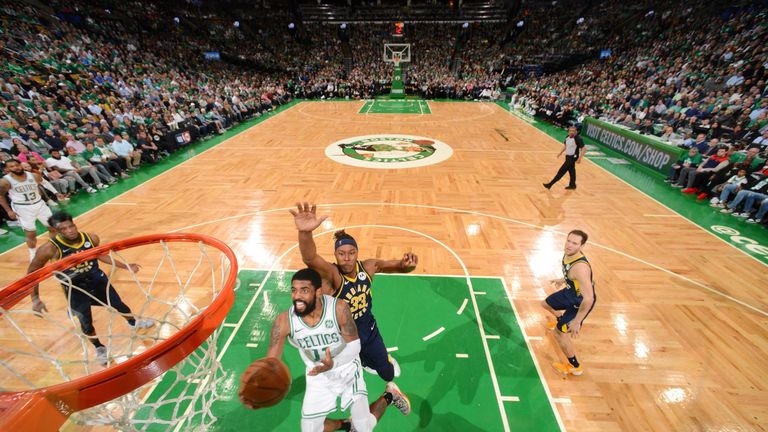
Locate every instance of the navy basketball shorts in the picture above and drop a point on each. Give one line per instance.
(373, 352)
(564, 300)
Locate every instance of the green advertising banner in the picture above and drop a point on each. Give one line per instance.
(640, 148)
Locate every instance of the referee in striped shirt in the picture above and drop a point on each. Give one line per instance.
(573, 155)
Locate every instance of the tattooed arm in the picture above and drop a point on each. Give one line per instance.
(280, 329)
(346, 322)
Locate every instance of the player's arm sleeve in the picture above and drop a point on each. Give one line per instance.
(350, 352)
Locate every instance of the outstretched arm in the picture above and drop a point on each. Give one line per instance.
(405, 265)
(277, 335)
(306, 220)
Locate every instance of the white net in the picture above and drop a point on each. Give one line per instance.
(177, 282)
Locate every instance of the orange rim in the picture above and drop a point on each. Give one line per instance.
(47, 408)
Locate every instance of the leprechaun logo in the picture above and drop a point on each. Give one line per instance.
(389, 151)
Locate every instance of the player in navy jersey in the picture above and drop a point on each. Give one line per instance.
(350, 279)
(573, 303)
(83, 280)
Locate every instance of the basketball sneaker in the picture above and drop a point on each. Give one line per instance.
(567, 368)
(101, 355)
(399, 399)
(142, 324)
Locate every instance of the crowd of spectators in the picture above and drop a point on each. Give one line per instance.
(86, 105)
(699, 84)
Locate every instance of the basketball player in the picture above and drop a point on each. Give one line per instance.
(27, 205)
(322, 329)
(572, 304)
(572, 148)
(351, 280)
(86, 277)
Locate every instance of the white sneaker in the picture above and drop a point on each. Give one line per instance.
(741, 215)
(750, 220)
(13, 223)
(52, 203)
(91, 190)
(726, 210)
(142, 324)
(101, 355)
(399, 399)
(2, 231)
(101, 186)
(714, 201)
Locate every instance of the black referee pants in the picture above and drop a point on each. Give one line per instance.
(569, 166)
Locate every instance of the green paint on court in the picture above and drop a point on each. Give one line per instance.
(377, 106)
(447, 393)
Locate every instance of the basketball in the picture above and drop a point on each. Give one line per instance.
(264, 383)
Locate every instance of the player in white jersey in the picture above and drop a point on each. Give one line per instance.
(27, 205)
(324, 332)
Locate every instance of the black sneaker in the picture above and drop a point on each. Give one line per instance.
(547, 185)
(571, 187)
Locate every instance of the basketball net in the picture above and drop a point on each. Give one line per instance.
(164, 377)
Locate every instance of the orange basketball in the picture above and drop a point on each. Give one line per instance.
(264, 383)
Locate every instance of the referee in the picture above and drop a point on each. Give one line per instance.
(573, 155)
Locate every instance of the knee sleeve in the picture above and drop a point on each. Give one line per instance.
(312, 425)
(362, 419)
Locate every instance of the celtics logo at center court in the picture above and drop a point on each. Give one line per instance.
(389, 151)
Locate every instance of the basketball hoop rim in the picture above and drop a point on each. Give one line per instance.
(33, 408)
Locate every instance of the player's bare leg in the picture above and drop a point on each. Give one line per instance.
(572, 366)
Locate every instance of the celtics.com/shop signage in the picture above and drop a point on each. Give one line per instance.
(389, 151)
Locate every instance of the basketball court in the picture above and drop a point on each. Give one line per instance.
(676, 340)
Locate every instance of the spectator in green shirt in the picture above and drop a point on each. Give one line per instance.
(78, 158)
(690, 159)
(105, 158)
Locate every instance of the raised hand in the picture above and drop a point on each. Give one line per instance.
(305, 217)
